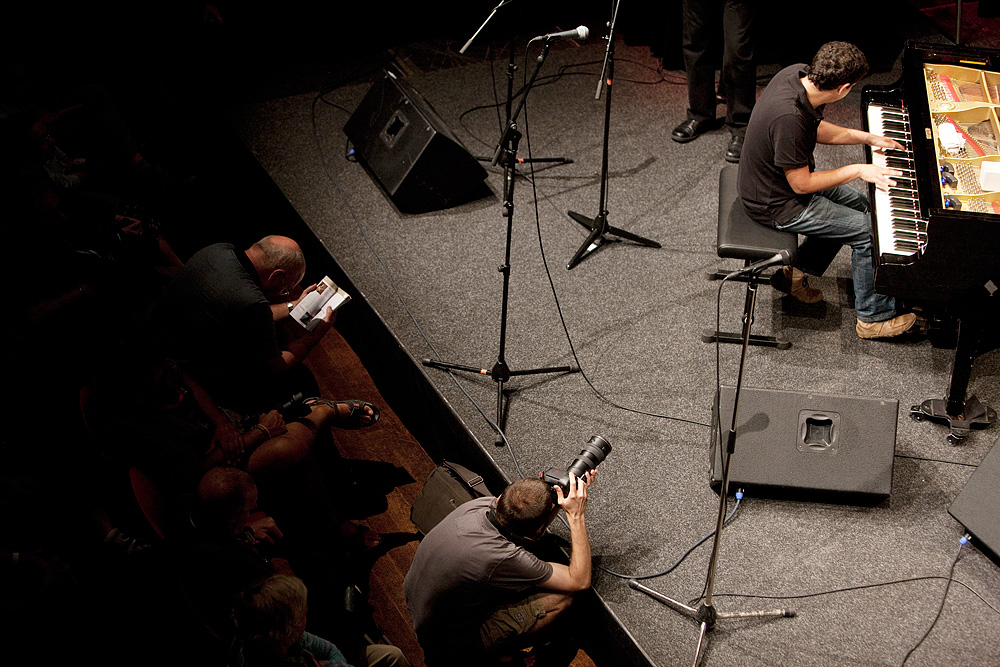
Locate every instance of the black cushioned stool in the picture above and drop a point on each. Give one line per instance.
(740, 237)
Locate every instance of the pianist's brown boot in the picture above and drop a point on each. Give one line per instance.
(887, 328)
(793, 282)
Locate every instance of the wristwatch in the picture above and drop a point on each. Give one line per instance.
(291, 306)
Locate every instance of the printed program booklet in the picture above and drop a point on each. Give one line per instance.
(312, 308)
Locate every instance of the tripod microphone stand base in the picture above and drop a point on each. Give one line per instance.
(500, 374)
(531, 160)
(706, 615)
(598, 228)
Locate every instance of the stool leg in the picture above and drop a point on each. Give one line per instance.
(779, 342)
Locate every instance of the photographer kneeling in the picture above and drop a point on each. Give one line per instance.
(474, 590)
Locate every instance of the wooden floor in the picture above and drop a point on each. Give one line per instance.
(342, 376)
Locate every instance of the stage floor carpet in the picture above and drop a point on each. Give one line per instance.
(866, 581)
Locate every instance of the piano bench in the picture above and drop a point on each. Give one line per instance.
(740, 237)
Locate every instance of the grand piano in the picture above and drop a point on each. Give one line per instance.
(937, 232)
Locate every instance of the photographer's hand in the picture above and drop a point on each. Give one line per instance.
(574, 503)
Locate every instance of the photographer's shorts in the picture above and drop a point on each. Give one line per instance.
(511, 620)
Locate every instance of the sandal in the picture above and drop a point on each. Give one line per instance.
(352, 420)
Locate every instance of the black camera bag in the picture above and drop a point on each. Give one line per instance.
(449, 486)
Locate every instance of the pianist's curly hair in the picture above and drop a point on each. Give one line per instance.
(835, 64)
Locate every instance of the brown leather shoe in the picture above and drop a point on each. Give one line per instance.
(793, 282)
(887, 328)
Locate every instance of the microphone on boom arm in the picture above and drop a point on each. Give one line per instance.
(580, 32)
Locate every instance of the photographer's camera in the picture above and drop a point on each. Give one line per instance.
(594, 451)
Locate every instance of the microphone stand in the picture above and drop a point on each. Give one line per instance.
(706, 614)
(511, 68)
(598, 225)
(506, 152)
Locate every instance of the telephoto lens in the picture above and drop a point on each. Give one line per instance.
(594, 451)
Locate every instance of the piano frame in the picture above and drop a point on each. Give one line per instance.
(957, 272)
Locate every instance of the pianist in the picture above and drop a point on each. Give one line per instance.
(780, 187)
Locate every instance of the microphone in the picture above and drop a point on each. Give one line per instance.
(580, 32)
(782, 257)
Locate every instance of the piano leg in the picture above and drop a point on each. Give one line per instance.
(960, 413)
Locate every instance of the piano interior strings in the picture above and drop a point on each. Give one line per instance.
(963, 104)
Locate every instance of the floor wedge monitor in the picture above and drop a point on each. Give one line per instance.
(977, 507)
(407, 148)
(806, 446)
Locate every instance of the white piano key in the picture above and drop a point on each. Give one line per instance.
(891, 241)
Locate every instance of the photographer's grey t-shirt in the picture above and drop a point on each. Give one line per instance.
(463, 570)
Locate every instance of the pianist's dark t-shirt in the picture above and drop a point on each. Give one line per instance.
(781, 135)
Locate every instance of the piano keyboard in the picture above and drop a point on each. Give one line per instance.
(901, 230)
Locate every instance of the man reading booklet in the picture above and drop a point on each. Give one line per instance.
(312, 308)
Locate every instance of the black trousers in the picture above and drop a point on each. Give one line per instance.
(705, 22)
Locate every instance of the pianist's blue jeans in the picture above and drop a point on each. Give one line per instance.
(832, 219)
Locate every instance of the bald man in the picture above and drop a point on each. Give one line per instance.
(217, 320)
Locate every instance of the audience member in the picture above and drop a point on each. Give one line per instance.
(146, 413)
(218, 319)
(474, 590)
(270, 619)
(85, 245)
(229, 546)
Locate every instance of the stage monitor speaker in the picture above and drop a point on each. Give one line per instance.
(977, 507)
(407, 148)
(806, 446)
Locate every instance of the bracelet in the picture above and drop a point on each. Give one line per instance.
(263, 429)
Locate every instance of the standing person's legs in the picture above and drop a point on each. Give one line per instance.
(701, 24)
(739, 73)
